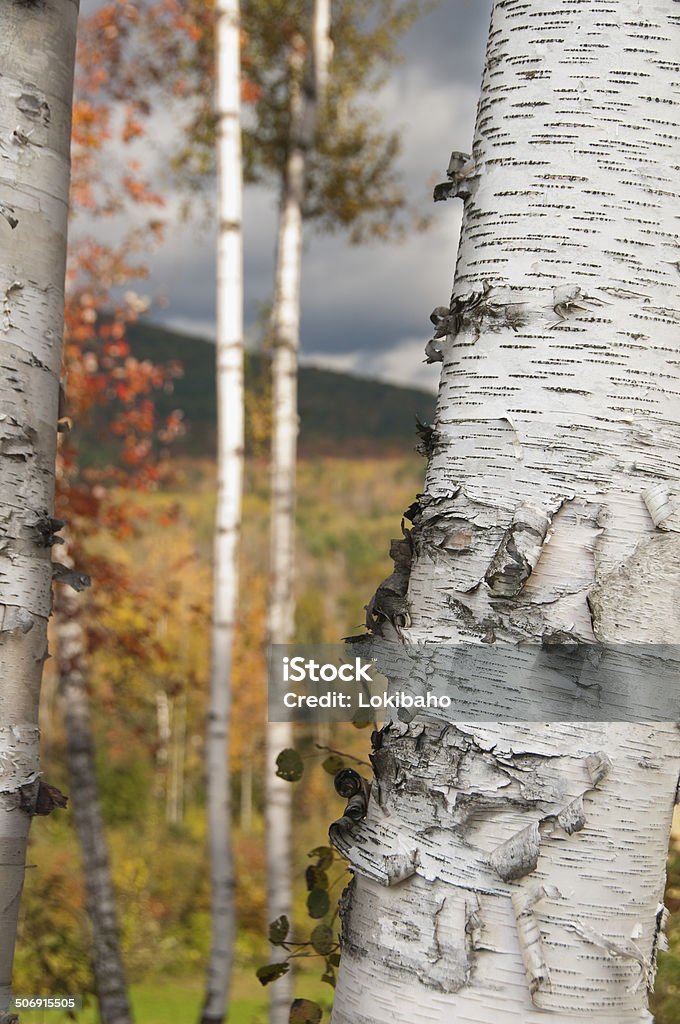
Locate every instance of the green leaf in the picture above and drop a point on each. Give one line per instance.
(334, 959)
(333, 764)
(329, 977)
(323, 939)
(304, 1011)
(318, 903)
(270, 972)
(324, 856)
(289, 765)
(316, 878)
(278, 930)
(363, 717)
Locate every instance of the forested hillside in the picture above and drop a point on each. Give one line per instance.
(338, 412)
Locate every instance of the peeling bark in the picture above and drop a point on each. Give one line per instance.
(549, 516)
(38, 48)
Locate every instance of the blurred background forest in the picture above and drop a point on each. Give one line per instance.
(148, 690)
(137, 488)
(148, 672)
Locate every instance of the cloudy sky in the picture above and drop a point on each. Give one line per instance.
(364, 309)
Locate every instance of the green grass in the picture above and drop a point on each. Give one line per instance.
(178, 1002)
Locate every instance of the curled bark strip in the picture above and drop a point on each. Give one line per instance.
(572, 818)
(569, 300)
(624, 949)
(427, 440)
(660, 943)
(400, 866)
(47, 527)
(356, 789)
(40, 799)
(663, 505)
(48, 799)
(529, 936)
(474, 926)
(13, 619)
(459, 172)
(349, 783)
(63, 574)
(519, 855)
(388, 607)
(17, 440)
(8, 213)
(598, 766)
(18, 755)
(518, 553)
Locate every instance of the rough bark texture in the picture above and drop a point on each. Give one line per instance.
(107, 964)
(305, 97)
(37, 48)
(516, 872)
(228, 511)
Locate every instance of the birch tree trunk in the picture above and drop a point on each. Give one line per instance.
(515, 872)
(228, 512)
(306, 89)
(107, 963)
(37, 46)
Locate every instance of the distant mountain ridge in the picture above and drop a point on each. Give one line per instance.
(339, 413)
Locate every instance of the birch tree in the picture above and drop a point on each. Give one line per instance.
(515, 872)
(228, 511)
(107, 965)
(38, 50)
(306, 91)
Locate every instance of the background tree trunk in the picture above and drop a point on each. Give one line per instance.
(307, 80)
(533, 856)
(230, 399)
(36, 88)
(107, 962)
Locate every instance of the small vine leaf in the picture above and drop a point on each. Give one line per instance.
(324, 856)
(316, 878)
(304, 1011)
(278, 930)
(289, 765)
(322, 939)
(318, 903)
(334, 959)
(270, 972)
(363, 717)
(333, 764)
(329, 977)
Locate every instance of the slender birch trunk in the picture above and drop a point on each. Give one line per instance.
(36, 87)
(107, 962)
(228, 511)
(532, 857)
(307, 82)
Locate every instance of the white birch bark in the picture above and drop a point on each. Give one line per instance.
(306, 95)
(107, 961)
(37, 50)
(516, 872)
(228, 511)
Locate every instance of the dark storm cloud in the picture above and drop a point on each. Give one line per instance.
(450, 41)
(357, 303)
